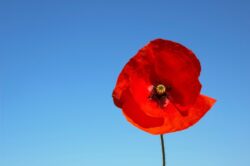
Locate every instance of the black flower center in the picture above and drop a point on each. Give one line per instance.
(160, 94)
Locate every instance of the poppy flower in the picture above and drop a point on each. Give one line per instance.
(158, 90)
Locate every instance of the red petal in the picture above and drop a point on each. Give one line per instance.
(122, 84)
(136, 116)
(202, 105)
(139, 66)
(177, 66)
(174, 120)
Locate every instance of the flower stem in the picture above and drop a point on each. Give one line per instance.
(163, 150)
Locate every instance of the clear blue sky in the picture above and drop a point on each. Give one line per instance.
(59, 61)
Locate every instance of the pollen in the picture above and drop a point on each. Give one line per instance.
(160, 89)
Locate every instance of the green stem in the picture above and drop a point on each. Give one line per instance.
(163, 151)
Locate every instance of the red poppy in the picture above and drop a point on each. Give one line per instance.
(158, 90)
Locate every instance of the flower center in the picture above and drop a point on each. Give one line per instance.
(160, 89)
(160, 94)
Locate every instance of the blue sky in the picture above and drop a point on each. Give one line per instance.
(59, 61)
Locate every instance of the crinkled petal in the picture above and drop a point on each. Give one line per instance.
(136, 116)
(177, 66)
(141, 90)
(138, 67)
(175, 120)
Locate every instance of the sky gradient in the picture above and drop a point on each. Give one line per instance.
(59, 61)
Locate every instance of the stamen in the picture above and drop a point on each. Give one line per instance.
(160, 89)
